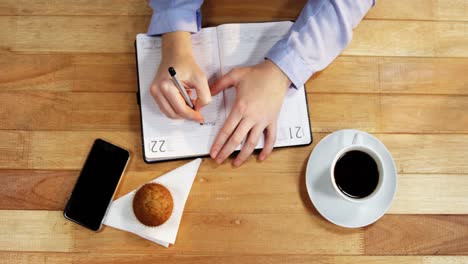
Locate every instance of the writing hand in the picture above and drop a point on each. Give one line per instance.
(177, 52)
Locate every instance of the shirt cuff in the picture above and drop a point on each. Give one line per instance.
(290, 62)
(171, 20)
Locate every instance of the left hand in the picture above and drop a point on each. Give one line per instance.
(260, 93)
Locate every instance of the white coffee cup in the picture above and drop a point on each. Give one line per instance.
(357, 144)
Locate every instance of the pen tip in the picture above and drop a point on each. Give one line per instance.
(171, 71)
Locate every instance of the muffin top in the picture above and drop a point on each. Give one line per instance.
(153, 204)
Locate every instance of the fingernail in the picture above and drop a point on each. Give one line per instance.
(213, 154)
(236, 163)
(219, 161)
(261, 157)
(214, 151)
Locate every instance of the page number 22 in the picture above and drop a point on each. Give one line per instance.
(158, 145)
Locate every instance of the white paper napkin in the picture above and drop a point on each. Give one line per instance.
(179, 182)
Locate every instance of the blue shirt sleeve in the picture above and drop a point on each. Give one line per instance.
(175, 15)
(321, 32)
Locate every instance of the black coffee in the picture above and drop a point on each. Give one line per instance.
(356, 174)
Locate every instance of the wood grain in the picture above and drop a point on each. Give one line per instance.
(94, 33)
(409, 38)
(112, 111)
(37, 110)
(420, 10)
(35, 231)
(392, 75)
(329, 112)
(424, 114)
(216, 233)
(82, 33)
(250, 234)
(423, 76)
(215, 12)
(75, 8)
(226, 191)
(59, 258)
(100, 72)
(96, 72)
(431, 194)
(35, 190)
(14, 148)
(66, 150)
(418, 235)
(7, 35)
(445, 259)
(68, 76)
(198, 234)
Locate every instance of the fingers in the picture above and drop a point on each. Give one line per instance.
(270, 138)
(223, 135)
(249, 145)
(234, 140)
(177, 102)
(203, 93)
(163, 104)
(171, 102)
(228, 80)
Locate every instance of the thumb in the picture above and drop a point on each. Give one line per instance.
(226, 81)
(203, 93)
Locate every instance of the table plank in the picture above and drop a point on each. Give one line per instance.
(82, 33)
(94, 33)
(14, 147)
(65, 150)
(7, 35)
(328, 112)
(35, 231)
(409, 38)
(75, 8)
(402, 78)
(101, 72)
(35, 190)
(221, 233)
(98, 72)
(215, 12)
(225, 191)
(445, 259)
(59, 258)
(35, 110)
(426, 114)
(415, 235)
(423, 76)
(420, 10)
(237, 233)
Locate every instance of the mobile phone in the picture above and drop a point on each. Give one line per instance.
(96, 184)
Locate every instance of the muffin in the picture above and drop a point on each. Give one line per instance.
(153, 204)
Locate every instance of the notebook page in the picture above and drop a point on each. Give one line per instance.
(165, 138)
(246, 45)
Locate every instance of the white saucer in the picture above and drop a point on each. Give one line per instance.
(325, 199)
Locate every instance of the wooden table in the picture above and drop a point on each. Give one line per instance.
(67, 76)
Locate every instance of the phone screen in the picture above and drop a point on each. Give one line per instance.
(96, 184)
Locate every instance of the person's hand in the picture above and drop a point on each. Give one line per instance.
(177, 52)
(260, 93)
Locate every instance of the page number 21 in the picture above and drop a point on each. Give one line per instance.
(296, 132)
